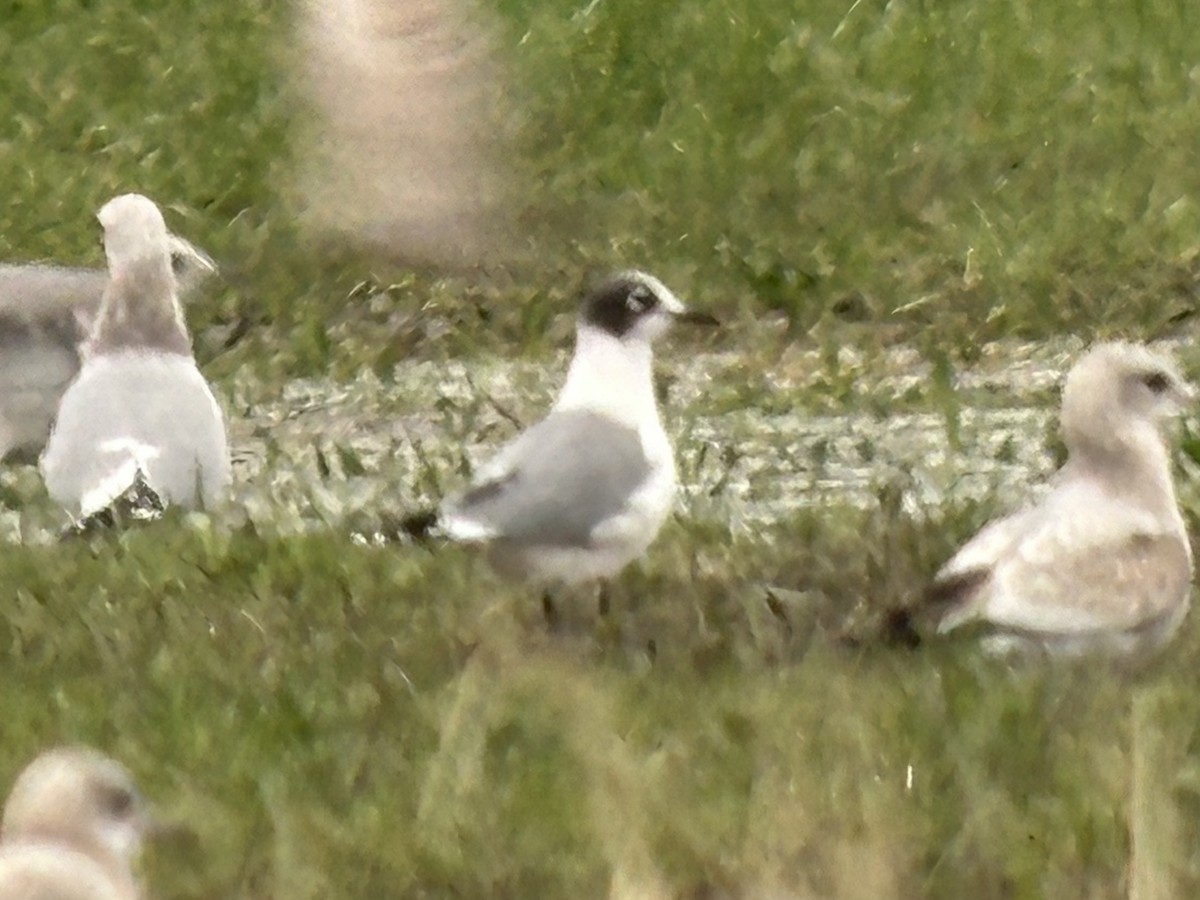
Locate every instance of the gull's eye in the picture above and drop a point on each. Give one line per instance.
(118, 802)
(1157, 382)
(640, 300)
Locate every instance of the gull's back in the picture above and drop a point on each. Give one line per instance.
(36, 291)
(131, 411)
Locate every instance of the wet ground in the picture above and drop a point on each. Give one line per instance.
(753, 452)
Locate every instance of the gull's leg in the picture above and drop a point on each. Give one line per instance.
(549, 611)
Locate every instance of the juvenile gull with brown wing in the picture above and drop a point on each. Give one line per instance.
(1103, 560)
(73, 825)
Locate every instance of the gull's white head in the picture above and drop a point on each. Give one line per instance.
(80, 798)
(1114, 390)
(635, 308)
(133, 230)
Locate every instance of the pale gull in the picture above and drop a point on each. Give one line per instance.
(583, 492)
(73, 826)
(410, 149)
(139, 406)
(1102, 561)
(46, 312)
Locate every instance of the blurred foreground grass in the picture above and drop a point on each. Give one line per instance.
(347, 721)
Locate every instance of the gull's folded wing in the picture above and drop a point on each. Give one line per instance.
(554, 484)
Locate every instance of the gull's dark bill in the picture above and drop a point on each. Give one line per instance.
(695, 317)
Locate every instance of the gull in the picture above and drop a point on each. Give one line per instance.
(582, 493)
(73, 825)
(46, 313)
(410, 149)
(139, 408)
(1102, 561)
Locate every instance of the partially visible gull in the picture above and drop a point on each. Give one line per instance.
(139, 408)
(46, 312)
(73, 825)
(409, 152)
(582, 493)
(1101, 562)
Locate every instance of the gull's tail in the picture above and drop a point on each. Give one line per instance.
(420, 526)
(953, 599)
(137, 503)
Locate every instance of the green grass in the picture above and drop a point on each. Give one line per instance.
(957, 174)
(340, 720)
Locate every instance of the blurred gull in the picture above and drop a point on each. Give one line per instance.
(407, 151)
(73, 825)
(583, 492)
(1103, 560)
(139, 407)
(46, 312)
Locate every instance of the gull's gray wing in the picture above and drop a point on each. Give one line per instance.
(61, 302)
(45, 312)
(554, 484)
(32, 290)
(130, 412)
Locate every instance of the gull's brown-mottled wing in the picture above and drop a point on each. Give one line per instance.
(1053, 585)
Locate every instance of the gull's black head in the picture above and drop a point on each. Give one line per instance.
(634, 305)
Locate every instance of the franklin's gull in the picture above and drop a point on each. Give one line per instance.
(582, 493)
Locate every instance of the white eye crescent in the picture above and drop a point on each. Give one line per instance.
(640, 300)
